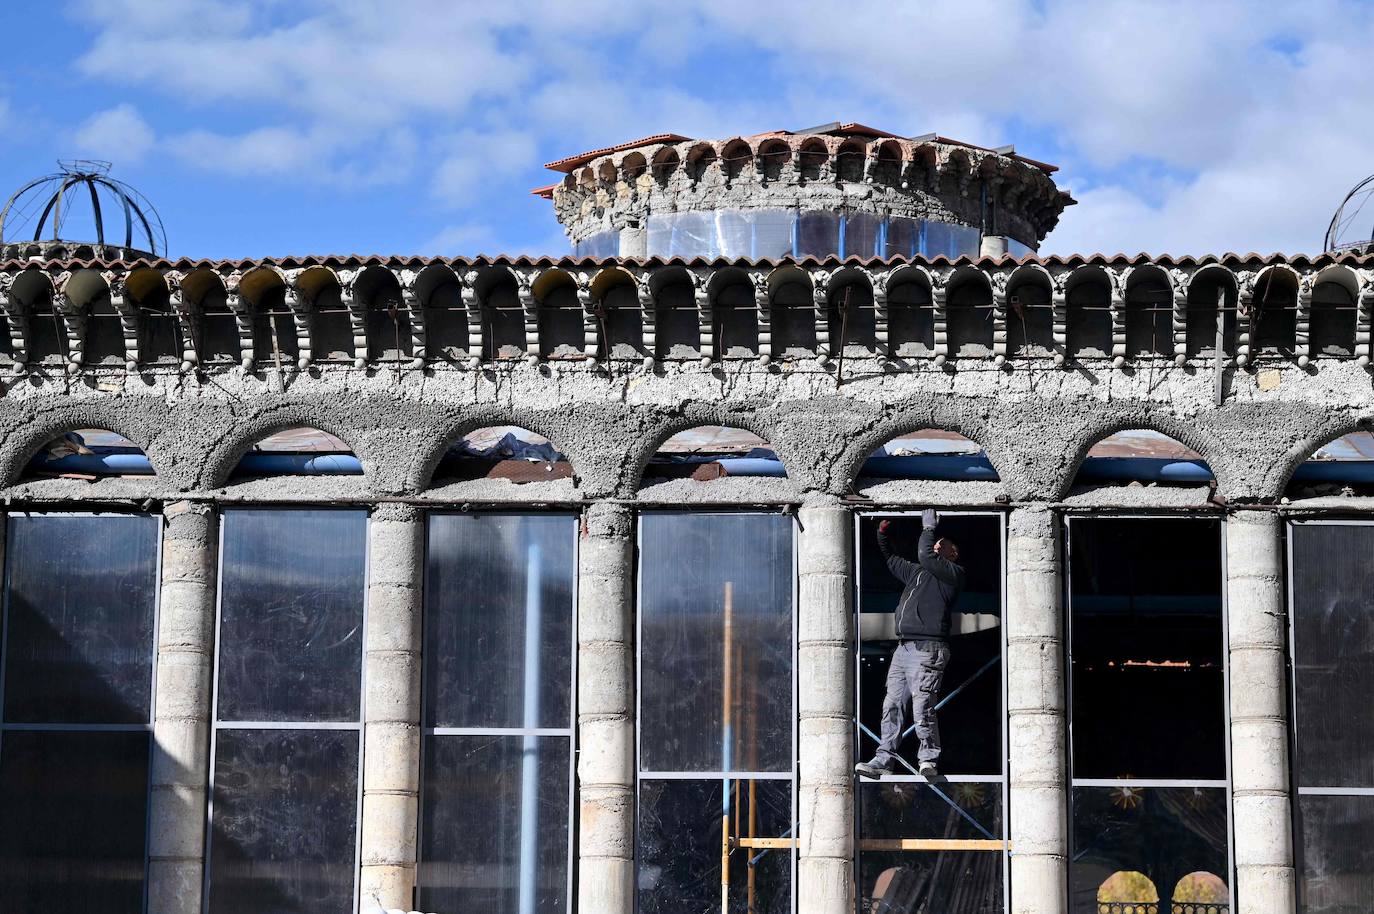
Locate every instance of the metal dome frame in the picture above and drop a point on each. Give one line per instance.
(138, 209)
(1339, 221)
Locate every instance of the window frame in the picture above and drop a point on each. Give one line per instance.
(793, 775)
(428, 732)
(1225, 654)
(216, 725)
(1004, 729)
(160, 528)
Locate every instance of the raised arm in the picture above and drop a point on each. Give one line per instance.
(902, 569)
(941, 568)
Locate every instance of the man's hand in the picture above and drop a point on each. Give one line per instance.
(929, 518)
(882, 526)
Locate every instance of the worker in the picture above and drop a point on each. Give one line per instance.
(930, 588)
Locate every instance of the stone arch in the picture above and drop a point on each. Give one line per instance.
(276, 324)
(214, 328)
(654, 443)
(736, 157)
(1274, 312)
(700, 158)
(859, 330)
(812, 158)
(561, 325)
(615, 293)
(773, 156)
(632, 166)
(1149, 317)
(86, 451)
(792, 308)
(1349, 441)
(24, 443)
(940, 418)
(676, 320)
(910, 312)
(586, 178)
(439, 296)
(665, 164)
(502, 322)
(1030, 312)
(968, 313)
(849, 160)
(388, 326)
(606, 172)
(426, 468)
(43, 326)
(1088, 326)
(159, 336)
(887, 162)
(1334, 313)
(1187, 434)
(330, 317)
(103, 339)
(501, 452)
(226, 452)
(1200, 324)
(735, 317)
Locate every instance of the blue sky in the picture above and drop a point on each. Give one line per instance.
(274, 127)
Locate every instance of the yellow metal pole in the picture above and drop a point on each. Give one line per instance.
(753, 832)
(727, 687)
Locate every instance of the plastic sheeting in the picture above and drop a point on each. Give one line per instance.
(778, 233)
(598, 246)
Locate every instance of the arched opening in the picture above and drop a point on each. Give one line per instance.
(298, 451)
(793, 313)
(509, 452)
(1201, 893)
(910, 315)
(89, 454)
(1149, 315)
(47, 333)
(736, 322)
(1127, 892)
(104, 339)
(665, 164)
(699, 158)
(849, 161)
(215, 336)
(968, 315)
(1030, 315)
(503, 315)
(561, 330)
(388, 318)
(1274, 313)
(1341, 467)
(736, 157)
(710, 452)
(331, 324)
(440, 297)
(1142, 457)
(586, 179)
(632, 166)
(812, 158)
(1089, 322)
(929, 454)
(1211, 288)
(773, 155)
(887, 168)
(275, 341)
(605, 172)
(677, 326)
(159, 328)
(620, 323)
(853, 321)
(1331, 327)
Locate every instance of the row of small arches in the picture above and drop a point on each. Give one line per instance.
(907, 315)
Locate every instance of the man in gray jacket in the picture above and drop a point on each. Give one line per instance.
(930, 588)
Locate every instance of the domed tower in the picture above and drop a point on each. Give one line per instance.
(836, 190)
(80, 212)
(1351, 230)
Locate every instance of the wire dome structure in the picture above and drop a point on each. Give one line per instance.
(1352, 228)
(82, 199)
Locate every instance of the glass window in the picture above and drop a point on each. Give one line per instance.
(76, 728)
(499, 608)
(716, 711)
(288, 728)
(903, 237)
(1332, 580)
(934, 842)
(818, 234)
(1148, 731)
(861, 235)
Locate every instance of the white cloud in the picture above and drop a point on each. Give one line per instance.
(119, 134)
(475, 159)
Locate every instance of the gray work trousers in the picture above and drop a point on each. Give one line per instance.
(918, 668)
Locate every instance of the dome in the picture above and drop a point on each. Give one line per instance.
(80, 212)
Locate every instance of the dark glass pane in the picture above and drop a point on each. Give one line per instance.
(956, 881)
(1163, 833)
(903, 237)
(284, 820)
(861, 235)
(1336, 854)
(1333, 653)
(73, 820)
(715, 604)
(79, 646)
(681, 824)
(498, 618)
(818, 235)
(971, 722)
(517, 859)
(291, 615)
(1147, 649)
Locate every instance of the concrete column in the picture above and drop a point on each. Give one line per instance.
(391, 707)
(992, 246)
(825, 829)
(1256, 623)
(1038, 768)
(605, 711)
(182, 709)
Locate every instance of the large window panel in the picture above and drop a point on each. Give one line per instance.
(716, 713)
(499, 642)
(1331, 576)
(76, 726)
(936, 843)
(1150, 805)
(284, 793)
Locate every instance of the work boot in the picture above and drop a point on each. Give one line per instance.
(873, 769)
(927, 771)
